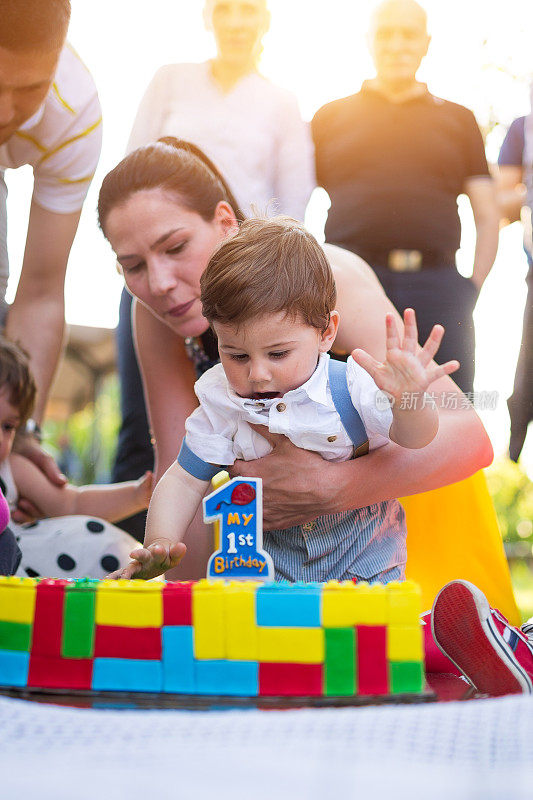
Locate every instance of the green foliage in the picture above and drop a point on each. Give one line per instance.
(512, 493)
(91, 435)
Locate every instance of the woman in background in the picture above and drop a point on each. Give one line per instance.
(252, 130)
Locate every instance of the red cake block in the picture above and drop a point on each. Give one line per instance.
(298, 680)
(48, 620)
(177, 603)
(118, 642)
(60, 673)
(372, 671)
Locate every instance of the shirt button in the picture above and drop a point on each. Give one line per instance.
(281, 407)
(308, 526)
(332, 438)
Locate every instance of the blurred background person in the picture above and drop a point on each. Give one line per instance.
(394, 159)
(515, 196)
(252, 130)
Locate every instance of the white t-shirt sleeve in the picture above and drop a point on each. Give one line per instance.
(64, 174)
(147, 125)
(211, 427)
(371, 403)
(295, 160)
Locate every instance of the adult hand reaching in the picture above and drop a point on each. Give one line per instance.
(294, 489)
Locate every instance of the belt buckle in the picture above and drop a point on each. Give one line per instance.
(404, 260)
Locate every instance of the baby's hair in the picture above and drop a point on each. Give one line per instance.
(16, 379)
(269, 266)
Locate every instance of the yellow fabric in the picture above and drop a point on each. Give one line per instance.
(453, 533)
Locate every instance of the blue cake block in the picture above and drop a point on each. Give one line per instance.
(289, 606)
(14, 667)
(178, 659)
(235, 678)
(127, 675)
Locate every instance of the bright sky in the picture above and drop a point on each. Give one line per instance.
(480, 56)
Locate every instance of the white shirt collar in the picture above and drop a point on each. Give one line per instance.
(315, 388)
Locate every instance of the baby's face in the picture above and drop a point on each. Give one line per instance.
(9, 422)
(268, 356)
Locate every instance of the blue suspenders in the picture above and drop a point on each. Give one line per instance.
(350, 418)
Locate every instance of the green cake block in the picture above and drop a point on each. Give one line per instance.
(340, 661)
(406, 676)
(78, 619)
(15, 636)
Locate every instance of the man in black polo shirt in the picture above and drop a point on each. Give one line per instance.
(393, 159)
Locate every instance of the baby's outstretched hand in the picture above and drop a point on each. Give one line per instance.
(408, 369)
(149, 562)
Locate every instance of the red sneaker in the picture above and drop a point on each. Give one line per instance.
(496, 658)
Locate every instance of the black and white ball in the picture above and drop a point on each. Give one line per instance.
(72, 547)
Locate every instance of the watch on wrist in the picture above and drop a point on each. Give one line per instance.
(32, 428)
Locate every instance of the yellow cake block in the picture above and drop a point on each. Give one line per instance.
(291, 645)
(345, 604)
(17, 599)
(372, 604)
(129, 604)
(208, 619)
(404, 602)
(404, 643)
(240, 620)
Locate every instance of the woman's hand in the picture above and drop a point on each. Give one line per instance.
(152, 561)
(408, 370)
(294, 490)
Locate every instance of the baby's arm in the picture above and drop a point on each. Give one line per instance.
(112, 502)
(406, 374)
(173, 505)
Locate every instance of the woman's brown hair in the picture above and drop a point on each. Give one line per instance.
(174, 165)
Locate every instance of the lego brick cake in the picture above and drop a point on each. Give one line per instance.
(230, 638)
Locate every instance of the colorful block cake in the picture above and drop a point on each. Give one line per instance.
(230, 638)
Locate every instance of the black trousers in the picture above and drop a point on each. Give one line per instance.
(10, 554)
(439, 295)
(521, 401)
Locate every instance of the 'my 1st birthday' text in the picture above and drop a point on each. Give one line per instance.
(223, 564)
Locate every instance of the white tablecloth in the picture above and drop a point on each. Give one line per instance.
(476, 749)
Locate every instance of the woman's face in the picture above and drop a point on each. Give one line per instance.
(238, 26)
(163, 248)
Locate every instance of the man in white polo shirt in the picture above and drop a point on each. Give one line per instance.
(49, 118)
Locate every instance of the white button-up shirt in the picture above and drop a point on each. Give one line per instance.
(253, 133)
(218, 431)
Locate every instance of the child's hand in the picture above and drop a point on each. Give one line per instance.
(145, 487)
(408, 369)
(149, 562)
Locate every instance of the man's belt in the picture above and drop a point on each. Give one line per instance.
(404, 260)
(398, 260)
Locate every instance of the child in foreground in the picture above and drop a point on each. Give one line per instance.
(269, 294)
(74, 540)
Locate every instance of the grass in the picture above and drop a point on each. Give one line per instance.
(522, 577)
